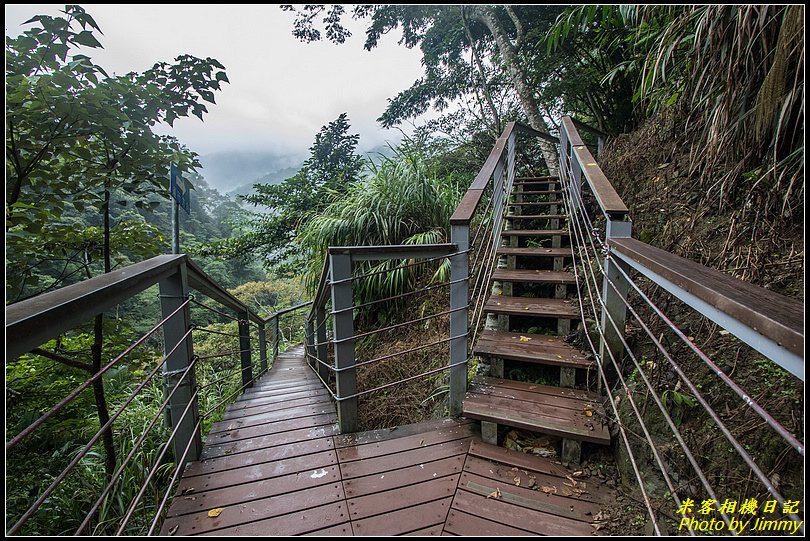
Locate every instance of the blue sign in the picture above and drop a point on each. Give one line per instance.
(179, 190)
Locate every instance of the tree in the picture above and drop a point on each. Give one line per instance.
(76, 135)
(329, 171)
(445, 34)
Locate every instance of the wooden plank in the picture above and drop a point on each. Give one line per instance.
(550, 390)
(251, 410)
(431, 530)
(277, 415)
(189, 502)
(273, 427)
(404, 520)
(372, 484)
(314, 464)
(384, 434)
(403, 497)
(550, 350)
(537, 408)
(253, 510)
(537, 192)
(561, 490)
(606, 196)
(534, 233)
(382, 464)
(775, 316)
(535, 252)
(560, 397)
(516, 516)
(524, 461)
(416, 441)
(535, 204)
(534, 276)
(294, 386)
(264, 442)
(338, 529)
(525, 306)
(297, 523)
(531, 417)
(461, 523)
(536, 217)
(257, 456)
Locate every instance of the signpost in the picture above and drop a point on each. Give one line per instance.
(179, 190)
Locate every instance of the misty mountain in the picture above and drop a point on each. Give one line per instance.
(227, 171)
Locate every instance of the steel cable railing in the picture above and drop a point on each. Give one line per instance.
(581, 224)
(116, 505)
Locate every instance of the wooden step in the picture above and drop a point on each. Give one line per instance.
(537, 179)
(535, 203)
(534, 232)
(538, 192)
(551, 410)
(525, 306)
(534, 276)
(538, 349)
(535, 216)
(535, 252)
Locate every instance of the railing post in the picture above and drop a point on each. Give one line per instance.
(343, 324)
(320, 336)
(262, 349)
(309, 343)
(173, 293)
(615, 302)
(459, 324)
(274, 338)
(244, 350)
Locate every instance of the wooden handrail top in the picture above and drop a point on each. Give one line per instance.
(394, 251)
(606, 196)
(772, 315)
(34, 321)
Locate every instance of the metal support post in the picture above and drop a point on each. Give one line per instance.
(321, 350)
(615, 302)
(459, 325)
(173, 292)
(244, 349)
(274, 338)
(262, 349)
(342, 303)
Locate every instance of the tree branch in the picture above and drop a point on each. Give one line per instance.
(62, 359)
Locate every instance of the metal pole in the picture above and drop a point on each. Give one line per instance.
(262, 348)
(244, 348)
(459, 325)
(615, 302)
(175, 227)
(342, 300)
(173, 292)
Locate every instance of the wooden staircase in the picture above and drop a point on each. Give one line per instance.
(535, 295)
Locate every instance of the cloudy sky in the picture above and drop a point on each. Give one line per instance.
(282, 91)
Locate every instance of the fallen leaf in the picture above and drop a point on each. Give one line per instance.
(524, 338)
(494, 494)
(549, 490)
(690, 338)
(571, 479)
(579, 473)
(724, 333)
(213, 513)
(188, 490)
(532, 482)
(173, 529)
(517, 481)
(588, 411)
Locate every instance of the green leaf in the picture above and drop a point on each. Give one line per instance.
(86, 38)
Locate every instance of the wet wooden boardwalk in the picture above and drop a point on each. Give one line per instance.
(275, 465)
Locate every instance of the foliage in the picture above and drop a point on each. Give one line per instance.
(332, 166)
(408, 199)
(77, 140)
(734, 73)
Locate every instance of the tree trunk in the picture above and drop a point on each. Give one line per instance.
(519, 79)
(101, 400)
